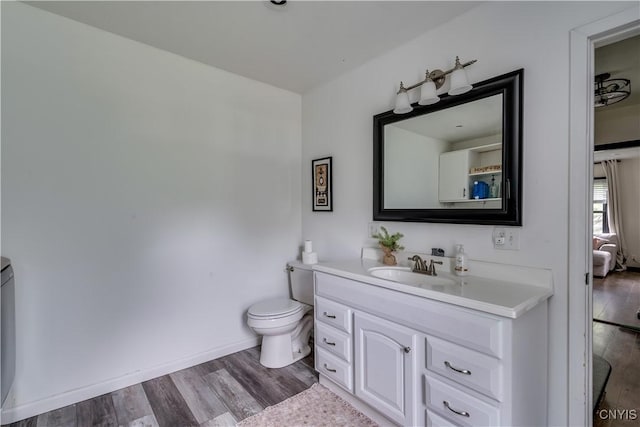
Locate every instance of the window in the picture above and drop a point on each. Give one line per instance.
(600, 220)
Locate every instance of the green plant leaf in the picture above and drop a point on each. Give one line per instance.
(389, 240)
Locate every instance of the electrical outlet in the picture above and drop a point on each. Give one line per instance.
(373, 229)
(506, 238)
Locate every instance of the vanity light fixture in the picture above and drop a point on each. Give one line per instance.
(610, 91)
(433, 81)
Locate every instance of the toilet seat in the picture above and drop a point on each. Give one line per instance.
(274, 309)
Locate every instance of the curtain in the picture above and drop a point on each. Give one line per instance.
(615, 212)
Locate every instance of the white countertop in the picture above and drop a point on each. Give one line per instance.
(500, 297)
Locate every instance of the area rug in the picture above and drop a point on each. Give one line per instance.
(316, 406)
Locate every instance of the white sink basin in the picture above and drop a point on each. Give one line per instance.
(406, 276)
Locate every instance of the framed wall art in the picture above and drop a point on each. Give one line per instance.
(322, 183)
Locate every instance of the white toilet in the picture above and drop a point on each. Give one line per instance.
(285, 324)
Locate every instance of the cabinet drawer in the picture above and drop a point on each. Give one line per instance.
(459, 406)
(435, 420)
(470, 368)
(334, 314)
(334, 341)
(336, 369)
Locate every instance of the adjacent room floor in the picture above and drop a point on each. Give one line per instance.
(220, 392)
(616, 300)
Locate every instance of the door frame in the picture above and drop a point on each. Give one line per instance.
(583, 41)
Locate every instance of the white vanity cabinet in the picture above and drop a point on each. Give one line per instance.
(453, 181)
(418, 361)
(333, 342)
(385, 376)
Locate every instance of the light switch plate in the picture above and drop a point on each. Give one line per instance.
(506, 238)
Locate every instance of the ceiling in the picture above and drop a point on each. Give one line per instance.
(463, 122)
(296, 47)
(621, 60)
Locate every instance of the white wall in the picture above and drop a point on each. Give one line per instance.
(147, 199)
(503, 37)
(617, 124)
(411, 181)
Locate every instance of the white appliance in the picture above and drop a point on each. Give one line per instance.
(285, 324)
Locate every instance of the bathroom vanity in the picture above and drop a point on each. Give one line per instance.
(447, 351)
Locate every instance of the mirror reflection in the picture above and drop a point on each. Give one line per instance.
(448, 159)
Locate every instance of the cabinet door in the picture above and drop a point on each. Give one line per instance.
(385, 367)
(453, 176)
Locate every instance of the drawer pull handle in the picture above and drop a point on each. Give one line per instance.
(324, 340)
(461, 371)
(329, 369)
(330, 316)
(446, 405)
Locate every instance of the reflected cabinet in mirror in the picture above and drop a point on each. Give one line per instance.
(458, 161)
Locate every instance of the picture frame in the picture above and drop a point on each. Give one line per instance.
(322, 183)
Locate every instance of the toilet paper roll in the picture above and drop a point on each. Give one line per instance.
(309, 258)
(308, 246)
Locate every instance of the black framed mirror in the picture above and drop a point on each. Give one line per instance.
(457, 161)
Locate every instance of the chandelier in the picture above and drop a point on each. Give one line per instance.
(610, 91)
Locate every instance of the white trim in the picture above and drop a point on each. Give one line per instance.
(27, 410)
(583, 41)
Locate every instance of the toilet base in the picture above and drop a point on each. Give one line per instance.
(274, 360)
(278, 351)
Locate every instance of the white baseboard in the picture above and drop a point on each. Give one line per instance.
(11, 415)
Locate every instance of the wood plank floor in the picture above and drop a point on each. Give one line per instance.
(616, 298)
(220, 392)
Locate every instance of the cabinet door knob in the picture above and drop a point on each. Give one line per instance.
(329, 369)
(407, 349)
(463, 413)
(453, 368)
(324, 340)
(330, 316)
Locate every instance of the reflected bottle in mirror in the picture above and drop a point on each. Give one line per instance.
(494, 188)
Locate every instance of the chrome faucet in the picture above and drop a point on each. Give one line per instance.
(421, 267)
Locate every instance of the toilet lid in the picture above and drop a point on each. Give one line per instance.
(275, 307)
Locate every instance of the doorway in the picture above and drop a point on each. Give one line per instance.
(616, 279)
(583, 42)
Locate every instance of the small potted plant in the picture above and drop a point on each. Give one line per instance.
(389, 243)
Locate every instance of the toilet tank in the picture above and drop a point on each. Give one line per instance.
(301, 282)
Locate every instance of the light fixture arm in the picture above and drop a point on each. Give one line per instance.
(437, 76)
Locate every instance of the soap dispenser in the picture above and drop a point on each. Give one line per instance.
(461, 268)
